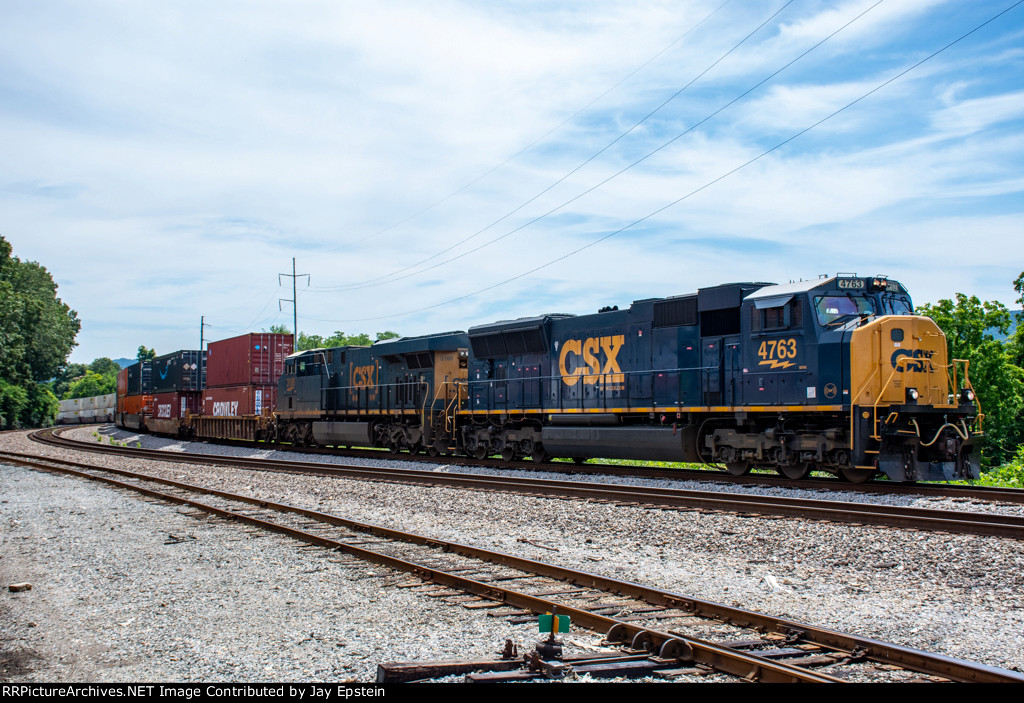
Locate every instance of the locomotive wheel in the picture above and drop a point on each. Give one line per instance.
(538, 455)
(795, 472)
(394, 447)
(508, 454)
(738, 468)
(433, 450)
(856, 475)
(480, 452)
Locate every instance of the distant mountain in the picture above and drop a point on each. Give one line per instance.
(1017, 318)
(125, 363)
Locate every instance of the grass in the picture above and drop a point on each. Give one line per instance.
(1009, 475)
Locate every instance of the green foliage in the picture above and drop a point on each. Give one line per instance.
(13, 400)
(339, 339)
(1017, 341)
(1009, 475)
(32, 405)
(997, 380)
(37, 332)
(104, 366)
(91, 384)
(144, 354)
(68, 375)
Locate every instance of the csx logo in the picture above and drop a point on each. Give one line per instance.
(363, 376)
(915, 366)
(582, 358)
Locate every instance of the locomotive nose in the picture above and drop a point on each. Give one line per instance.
(892, 354)
(904, 419)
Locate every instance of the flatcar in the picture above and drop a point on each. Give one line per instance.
(835, 374)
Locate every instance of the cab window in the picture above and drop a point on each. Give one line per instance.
(787, 315)
(831, 309)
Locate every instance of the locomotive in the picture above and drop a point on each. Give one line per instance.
(835, 374)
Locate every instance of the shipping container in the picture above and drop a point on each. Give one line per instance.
(236, 401)
(174, 405)
(179, 371)
(135, 404)
(139, 378)
(255, 359)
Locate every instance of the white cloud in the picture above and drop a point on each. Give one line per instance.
(166, 162)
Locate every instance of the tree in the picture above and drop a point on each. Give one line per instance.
(105, 366)
(997, 381)
(145, 354)
(68, 375)
(92, 384)
(338, 339)
(37, 332)
(1017, 341)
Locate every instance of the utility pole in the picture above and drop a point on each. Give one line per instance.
(202, 359)
(293, 301)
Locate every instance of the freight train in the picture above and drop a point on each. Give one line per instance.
(835, 374)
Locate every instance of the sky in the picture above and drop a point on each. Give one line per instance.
(437, 165)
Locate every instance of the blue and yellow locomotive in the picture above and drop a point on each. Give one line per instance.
(834, 374)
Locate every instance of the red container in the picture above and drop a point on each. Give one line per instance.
(173, 405)
(255, 359)
(237, 401)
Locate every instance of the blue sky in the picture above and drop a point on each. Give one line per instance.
(166, 161)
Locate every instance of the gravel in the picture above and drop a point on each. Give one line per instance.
(125, 589)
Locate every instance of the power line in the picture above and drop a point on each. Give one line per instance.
(541, 138)
(378, 282)
(381, 279)
(703, 187)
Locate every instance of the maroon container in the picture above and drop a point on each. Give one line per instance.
(255, 359)
(237, 401)
(173, 405)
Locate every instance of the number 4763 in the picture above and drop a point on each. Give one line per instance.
(777, 349)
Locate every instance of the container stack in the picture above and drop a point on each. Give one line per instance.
(178, 380)
(98, 408)
(134, 394)
(242, 373)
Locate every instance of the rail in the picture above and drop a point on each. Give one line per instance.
(421, 557)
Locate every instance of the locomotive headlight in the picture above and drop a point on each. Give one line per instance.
(966, 396)
(912, 395)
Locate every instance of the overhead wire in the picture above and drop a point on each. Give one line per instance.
(664, 145)
(721, 177)
(542, 137)
(394, 275)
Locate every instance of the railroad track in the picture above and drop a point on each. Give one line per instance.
(662, 633)
(708, 474)
(959, 522)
